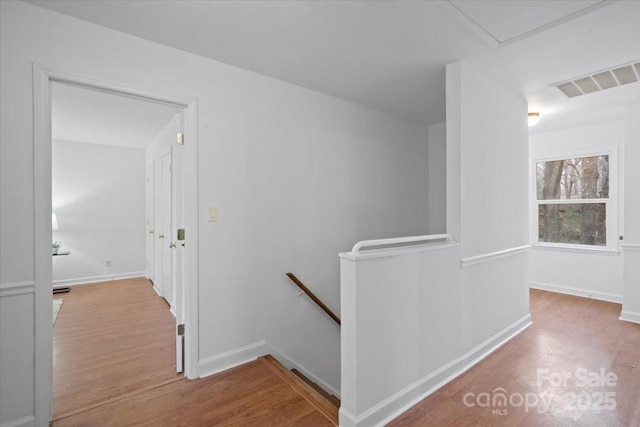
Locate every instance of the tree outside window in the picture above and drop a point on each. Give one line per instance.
(572, 198)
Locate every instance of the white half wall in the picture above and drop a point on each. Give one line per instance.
(416, 317)
(582, 272)
(631, 232)
(98, 195)
(297, 176)
(401, 324)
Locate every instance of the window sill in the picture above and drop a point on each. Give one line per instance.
(576, 249)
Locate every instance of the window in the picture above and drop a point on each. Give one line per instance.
(573, 204)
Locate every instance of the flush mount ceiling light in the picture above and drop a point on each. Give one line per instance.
(534, 118)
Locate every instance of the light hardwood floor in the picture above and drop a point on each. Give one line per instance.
(110, 340)
(568, 333)
(250, 395)
(114, 365)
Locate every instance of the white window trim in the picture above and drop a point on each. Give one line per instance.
(612, 202)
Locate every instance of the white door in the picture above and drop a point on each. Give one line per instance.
(157, 225)
(166, 227)
(169, 218)
(151, 238)
(178, 215)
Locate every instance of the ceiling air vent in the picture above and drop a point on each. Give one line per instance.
(601, 80)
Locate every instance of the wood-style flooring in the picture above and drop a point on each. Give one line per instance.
(114, 365)
(568, 334)
(110, 340)
(560, 364)
(250, 395)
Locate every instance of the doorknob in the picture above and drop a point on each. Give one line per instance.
(151, 231)
(161, 236)
(172, 245)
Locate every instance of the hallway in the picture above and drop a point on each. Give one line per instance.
(559, 365)
(568, 333)
(114, 364)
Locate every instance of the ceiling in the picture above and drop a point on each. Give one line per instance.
(84, 115)
(596, 41)
(508, 21)
(391, 55)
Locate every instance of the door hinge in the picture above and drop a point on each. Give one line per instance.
(180, 138)
(180, 234)
(181, 329)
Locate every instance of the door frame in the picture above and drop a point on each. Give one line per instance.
(43, 77)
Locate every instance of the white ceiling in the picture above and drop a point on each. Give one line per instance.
(603, 39)
(391, 55)
(507, 21)
(84, 115)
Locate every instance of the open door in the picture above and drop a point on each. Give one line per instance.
(166, 219)
(169, 229)
(177, 240)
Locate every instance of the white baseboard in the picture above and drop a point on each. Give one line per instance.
(96, 279)
(231, 359)
(27, 421)
(628, 316)
(400, 402)
(585, 293)
(290, 363)
(242, 355)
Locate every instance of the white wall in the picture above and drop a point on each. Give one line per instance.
(487, 198)
(99, 198)
(297, 177)
(589, 273)
(414, 318)
(401, 324)
(631, 232)
(163, 140)
(437, 178)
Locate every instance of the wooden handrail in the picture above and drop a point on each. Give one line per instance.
(315, 299)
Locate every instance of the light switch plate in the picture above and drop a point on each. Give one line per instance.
(213, 214)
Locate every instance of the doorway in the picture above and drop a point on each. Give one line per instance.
(186, 274)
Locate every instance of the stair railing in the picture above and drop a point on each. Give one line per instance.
(313, 297)
(400, 240)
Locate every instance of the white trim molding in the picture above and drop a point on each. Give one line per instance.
(98, 279)
(479, 259)
(397, 251)
(239, 356)
(628, 316)
(17, 288)
(579, 249)
(391, 408)
(288, 362)
(42, 79)
(399, 241)
(630, 247)
(28, 421)
(232, 358)
(584, 293)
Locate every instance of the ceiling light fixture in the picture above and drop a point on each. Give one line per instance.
(534, 118)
